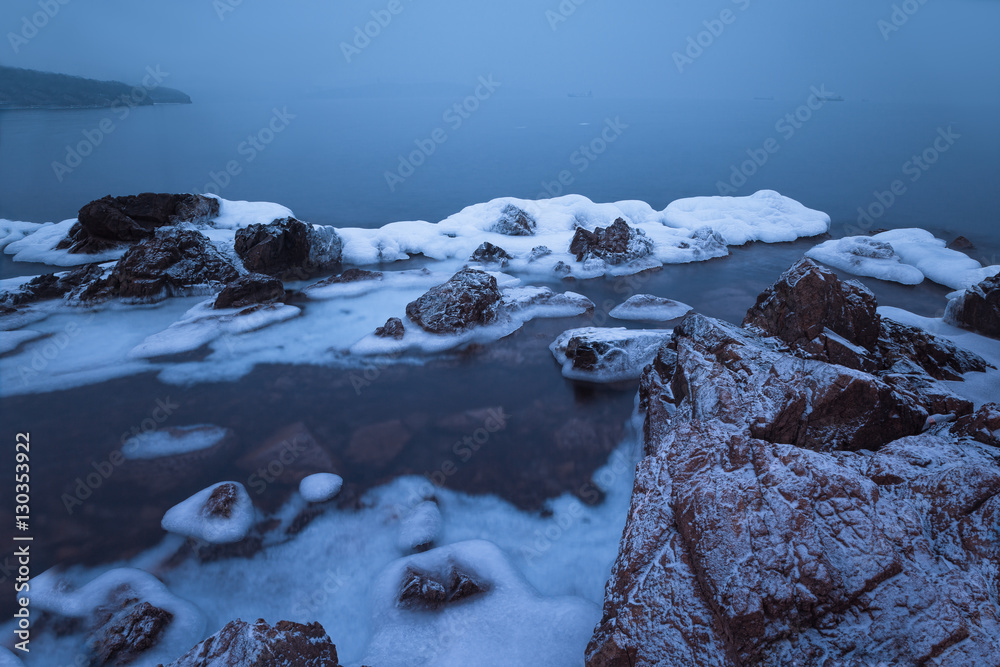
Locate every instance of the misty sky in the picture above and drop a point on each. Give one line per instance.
(946, 50)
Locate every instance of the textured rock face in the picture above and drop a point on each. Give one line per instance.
(514, 222)
(617, 244)
(468, 299)
(241, 644)
(393, 328)
(794, 511)
(123, 631)
(488, 253)
(165, 265)
(250, 289)
(53, 286)
(288, 248)
(978, 308)
(112, 221)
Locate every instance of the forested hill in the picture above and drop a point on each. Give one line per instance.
(30, 89)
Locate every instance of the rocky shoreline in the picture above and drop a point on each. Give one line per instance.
(815, 487)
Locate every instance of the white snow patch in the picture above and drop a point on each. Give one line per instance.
(846, 254)
(930, 255)
(11, 340)
(175, 440)
(14, 230)
(320, 487)
(190, 519)
(421, 527)
(40, 246)
(646, 307)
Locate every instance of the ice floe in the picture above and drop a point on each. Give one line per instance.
(607, 355)
(649, 308)
(864, 256)
(176, 440)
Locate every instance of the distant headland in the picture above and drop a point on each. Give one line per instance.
(31, 89)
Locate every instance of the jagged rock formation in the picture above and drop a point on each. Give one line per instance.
(794, 511)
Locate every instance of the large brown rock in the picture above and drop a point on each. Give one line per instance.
(169, 264)
(124, 629)
(617, 244)
(250, 289)
(978, 308)
(112, 221)
(470, 298)
(242, 644)
(288, 248)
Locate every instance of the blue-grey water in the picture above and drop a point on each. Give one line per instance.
(329, 158)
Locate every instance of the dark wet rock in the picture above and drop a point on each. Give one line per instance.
(538, 252)
(488, 253)
(378, 444)
(468, 299)
(242, 644)
(221, 501)
(562, 269)
(288, 456)
(978, 308)
(113, 221)
(617, 244)
(983, 425)
(169, 264)
(251, 289)
(393, 328)
(288, 248)
(961, 243)
(514, 222)
(353, 276)
(53, 286)
(421, 590)
(760, 532)
(124, 629)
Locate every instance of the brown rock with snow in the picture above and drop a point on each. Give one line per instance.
(242, 644)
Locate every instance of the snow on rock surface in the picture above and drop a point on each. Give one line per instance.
(646, 307)
(864, 256)
(977, 308)
(465, 604)
(15, 230)
(221, 514)
(259, 644)
(132, 617)
(606, 355)
(320, 487)
(764, 216)
(790, 510)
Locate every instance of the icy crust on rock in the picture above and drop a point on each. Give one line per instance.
(606, 355)
(863, 256)
(221, 514)
(649, 308)
(173, 441)
(764, 216)
(320, 487)
(15, 230)
(203, 324)
(493, 617)
(40, 246)
(49, 592)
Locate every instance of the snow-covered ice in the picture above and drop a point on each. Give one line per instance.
(863, 256)
(193, 517)
(11, 340)
(174, 441)
(421, 527)
(646, 307)
(320, 487)
(937, 262)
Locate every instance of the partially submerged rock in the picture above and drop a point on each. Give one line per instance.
(393, 328)
(260, 644)
(250, 289)
(488, 253)
(617, 244)
(53, 286)
(113, 221)
(978, 308)
(468, 299)
(125, 629)
(288, 248)
(606, 355)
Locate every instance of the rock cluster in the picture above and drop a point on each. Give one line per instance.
(797, 505)
(617, 244)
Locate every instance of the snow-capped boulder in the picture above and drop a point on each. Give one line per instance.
(259, 644)
(619, 243)
(488, 253)
(288, 248)
(471, 297)
(606, 355)
(113, 221)
(978, 308)
(320, 487)
(221, 514)
(514, 222)
(250, 289)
